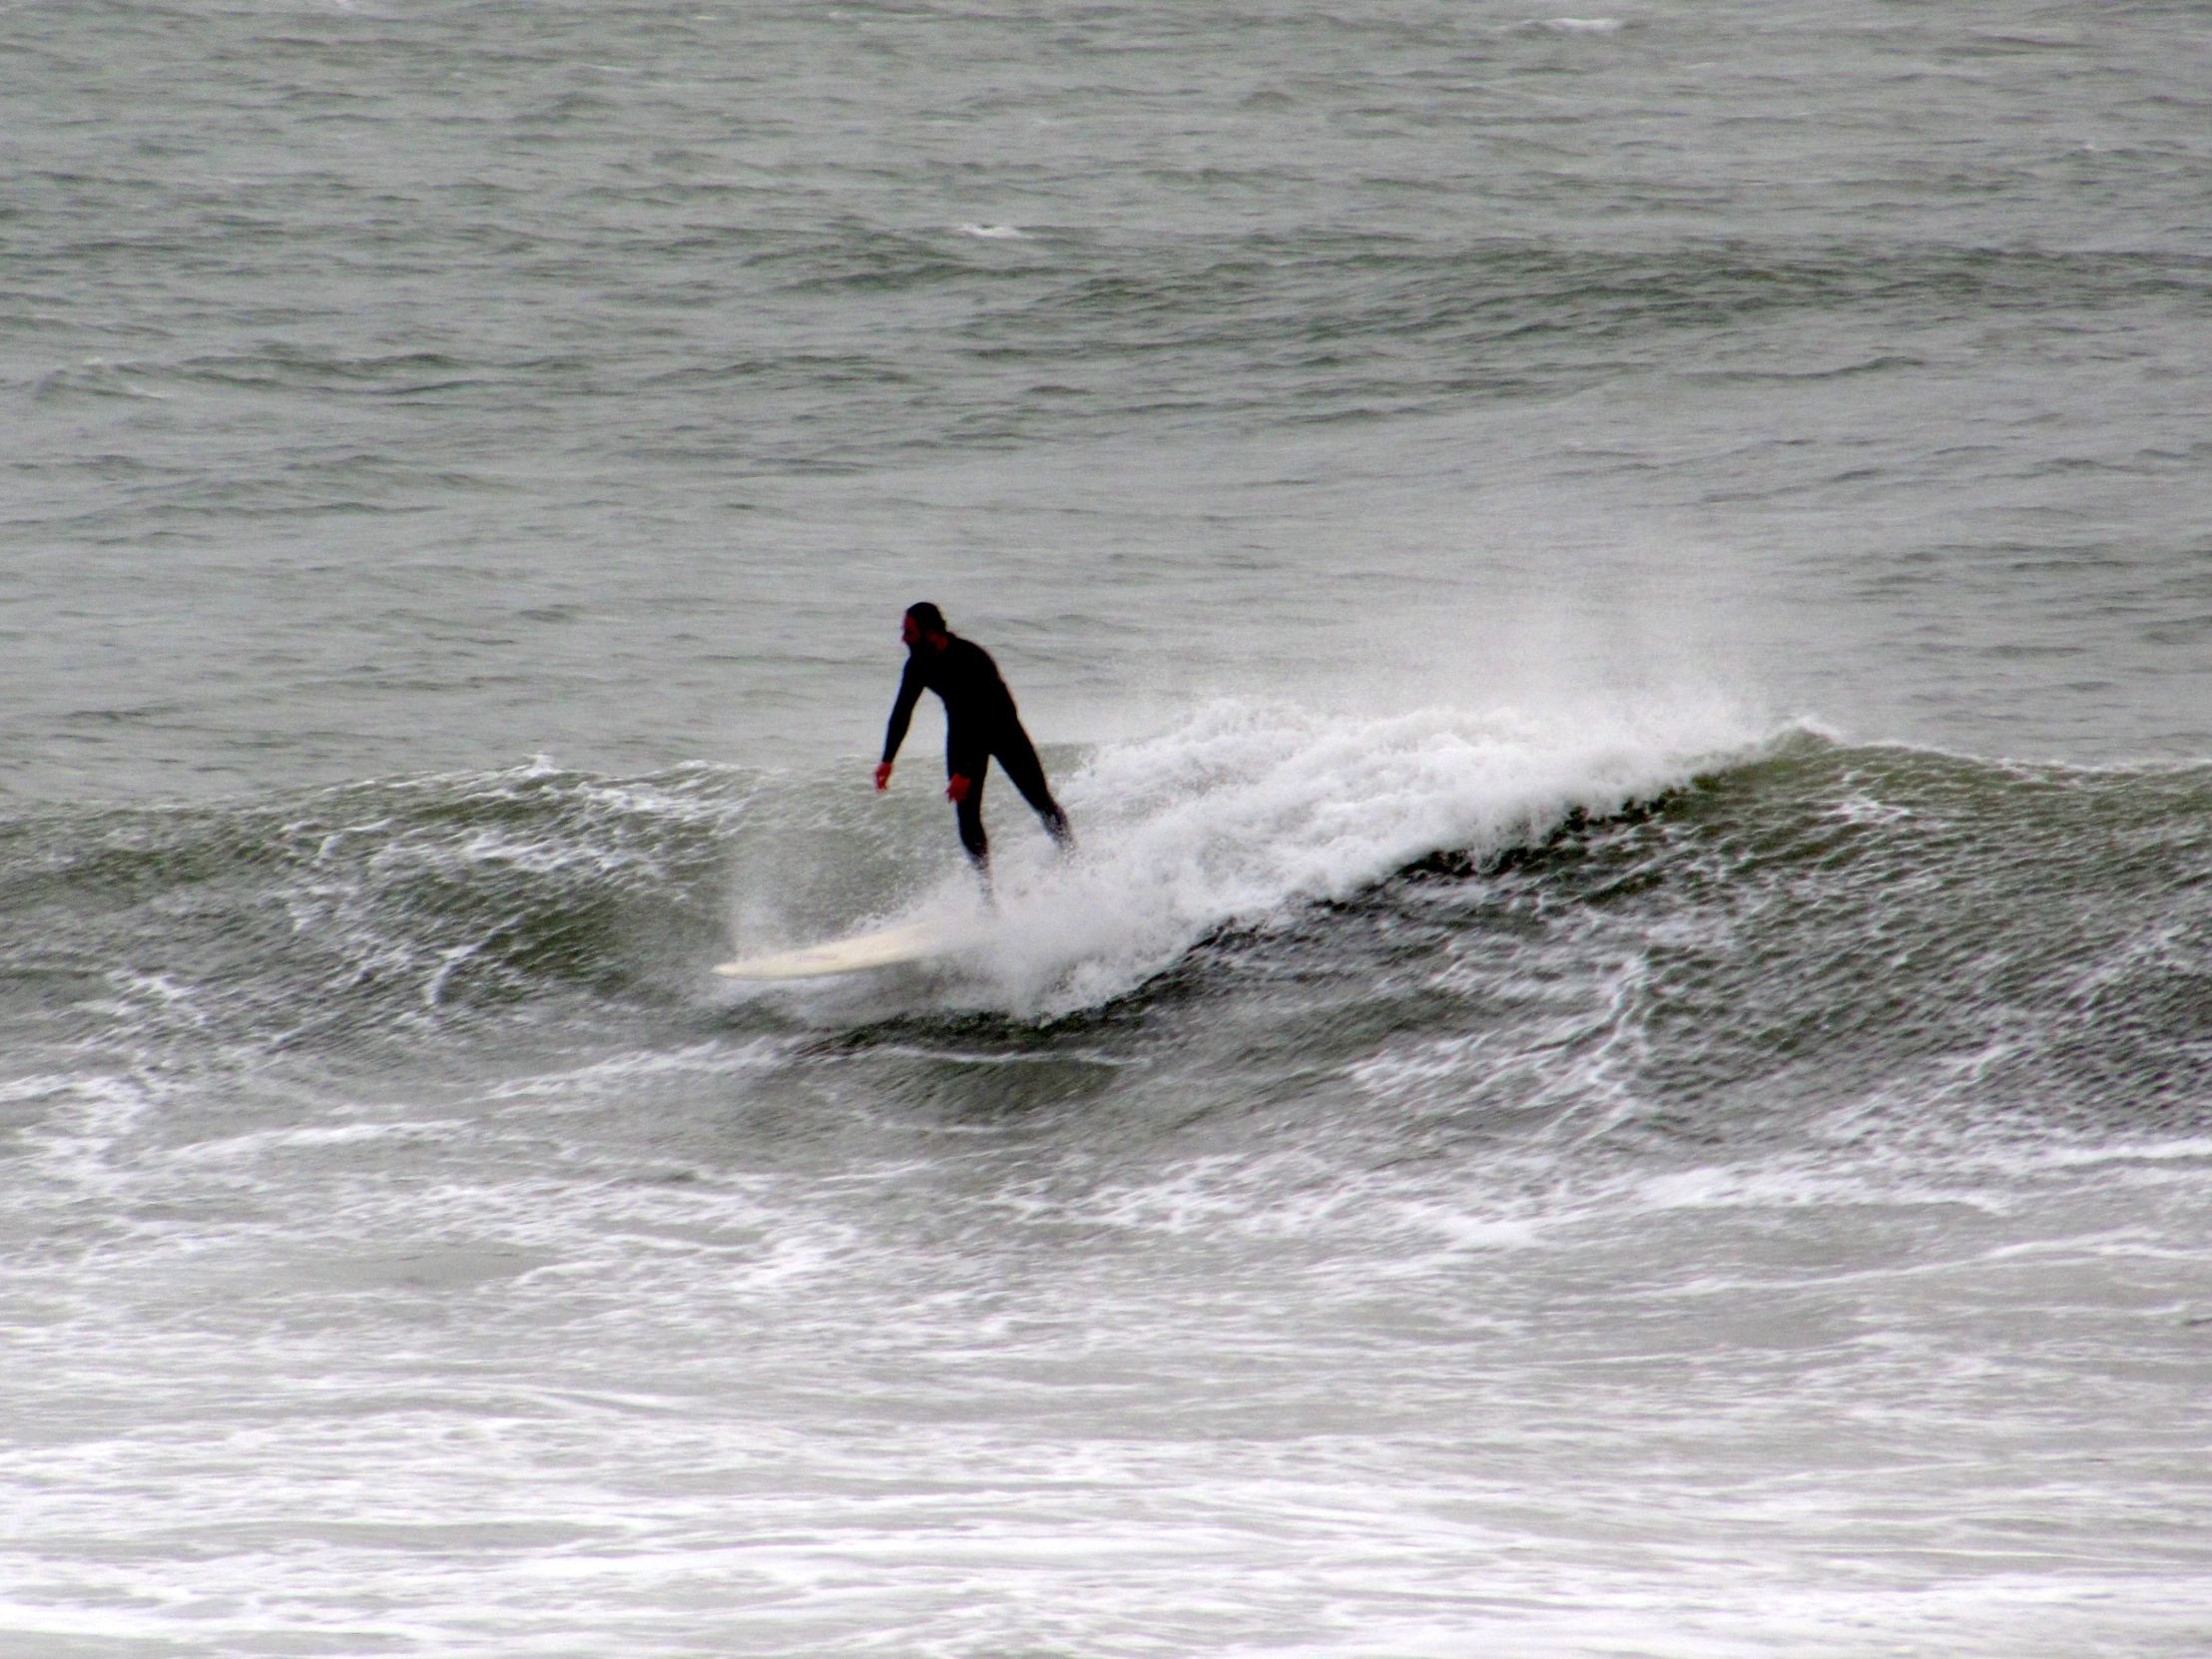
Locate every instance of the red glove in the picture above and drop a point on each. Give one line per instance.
(956, 791)
(883, 773)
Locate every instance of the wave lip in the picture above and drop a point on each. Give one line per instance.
(1249, 809)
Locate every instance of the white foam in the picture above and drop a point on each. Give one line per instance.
(73, 1148)
(249, 1147)
(1248, 809)
(585, 1087)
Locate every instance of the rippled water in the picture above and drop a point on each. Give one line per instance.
(1619, 605)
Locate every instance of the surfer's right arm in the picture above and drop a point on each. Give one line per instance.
(902, 713)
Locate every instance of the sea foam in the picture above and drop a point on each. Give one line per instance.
(1246, 810)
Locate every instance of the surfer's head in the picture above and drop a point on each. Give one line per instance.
(924, 621)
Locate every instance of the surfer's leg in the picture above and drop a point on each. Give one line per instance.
(971, 764)
(1019, 757)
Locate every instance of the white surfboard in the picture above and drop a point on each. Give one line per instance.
(914, 942)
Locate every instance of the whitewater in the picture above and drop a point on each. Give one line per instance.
(1247, 812)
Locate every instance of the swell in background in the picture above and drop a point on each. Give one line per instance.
(401, 387)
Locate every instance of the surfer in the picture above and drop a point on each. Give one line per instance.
(979, 721)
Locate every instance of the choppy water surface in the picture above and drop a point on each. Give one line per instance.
(1618, 601)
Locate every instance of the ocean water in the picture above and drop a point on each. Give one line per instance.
(1621, 604)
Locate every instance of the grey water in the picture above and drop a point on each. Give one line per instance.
(1620, 603)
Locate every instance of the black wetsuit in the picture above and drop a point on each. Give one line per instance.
(979, 721)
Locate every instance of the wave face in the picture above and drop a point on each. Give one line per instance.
(1795, 912)
(374, 913)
